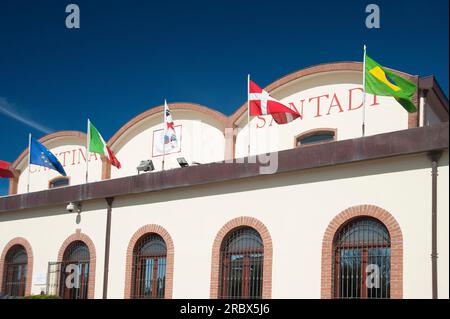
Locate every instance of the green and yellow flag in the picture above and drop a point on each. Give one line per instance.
(380, 81)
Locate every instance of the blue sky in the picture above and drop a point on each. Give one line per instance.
(130, 55)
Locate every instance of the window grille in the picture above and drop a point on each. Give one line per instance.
(362, 255)
(15, 271)
(74, 271)
(149, 267)
(241, 262)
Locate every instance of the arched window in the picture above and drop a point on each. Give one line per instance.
(15, 271)
(241, 262)
(315, 136)
(75, 271)
(362, 255)
(59, 182)
(149, 267)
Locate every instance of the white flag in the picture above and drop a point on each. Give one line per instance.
(170, 137)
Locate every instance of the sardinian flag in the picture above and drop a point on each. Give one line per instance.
(170, 137)
(261, 103)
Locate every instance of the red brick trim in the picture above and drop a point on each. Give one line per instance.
(60, 134)
(268, 252)
(25, 244)
(92, 254)
(14, 181)
(395, 232)
(316, 69)
(144, 230)
(58, 178)
(315, 131)
(216, 115)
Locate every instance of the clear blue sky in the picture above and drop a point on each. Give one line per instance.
(128, 55)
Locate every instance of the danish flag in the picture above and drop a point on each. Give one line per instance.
(261, 103)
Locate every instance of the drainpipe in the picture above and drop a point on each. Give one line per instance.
(434, 157)
(109, 201)
(422, 103)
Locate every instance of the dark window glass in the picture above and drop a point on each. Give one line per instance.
(241, 262)
(362, 254)
(75, 271)
(149, 267)
(59, 182)
(318, 137)
(15, 271)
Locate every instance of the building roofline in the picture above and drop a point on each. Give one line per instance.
(424, 82)
(311, 70)
(47, 138)
(218, 116)
(405, 142)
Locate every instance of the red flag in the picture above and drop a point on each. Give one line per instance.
(261, 103)
(112, 158)
(5, 170)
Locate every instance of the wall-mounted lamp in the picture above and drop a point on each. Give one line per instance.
(182, 161)
(145, 166)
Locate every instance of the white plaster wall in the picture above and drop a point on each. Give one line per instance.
(311, 199)
(443, 227)
(201, 141)
(194, 216)
(47, 228)
(386, 116)
(73, 162)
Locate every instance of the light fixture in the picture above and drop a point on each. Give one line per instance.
(145, 166)
(182, 161)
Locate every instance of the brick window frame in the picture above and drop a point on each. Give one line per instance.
(312, 132)
(26, 245)
(327, 286)
(268, 253)
(144, 230)
(79, 236)
(50, 182)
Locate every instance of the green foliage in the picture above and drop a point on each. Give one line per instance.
(42, 297)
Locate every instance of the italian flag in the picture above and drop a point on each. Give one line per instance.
(97, 145)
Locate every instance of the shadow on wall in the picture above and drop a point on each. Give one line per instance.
(88, 207)
(346, 171)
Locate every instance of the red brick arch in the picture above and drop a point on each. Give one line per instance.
(268, 252)
(92, 257)
(144, 230)
(25, 244)
(327, 289)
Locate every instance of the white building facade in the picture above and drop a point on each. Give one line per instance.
(316, 211)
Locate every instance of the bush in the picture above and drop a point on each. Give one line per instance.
(42, 297)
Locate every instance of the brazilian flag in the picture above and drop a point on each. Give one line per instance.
(380, 81)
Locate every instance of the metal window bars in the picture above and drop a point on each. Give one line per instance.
(149, 267)
(362, 260)
(241, 262)
(70, 278)
(15, 272)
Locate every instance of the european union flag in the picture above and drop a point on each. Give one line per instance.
(40, 155)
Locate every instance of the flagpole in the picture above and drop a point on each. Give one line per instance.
(164, 134)
(29, 162)
(248, 111)
(87, 149)
(364, 94)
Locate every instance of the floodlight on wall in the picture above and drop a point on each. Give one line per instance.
(145, 166)
(182, 161)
